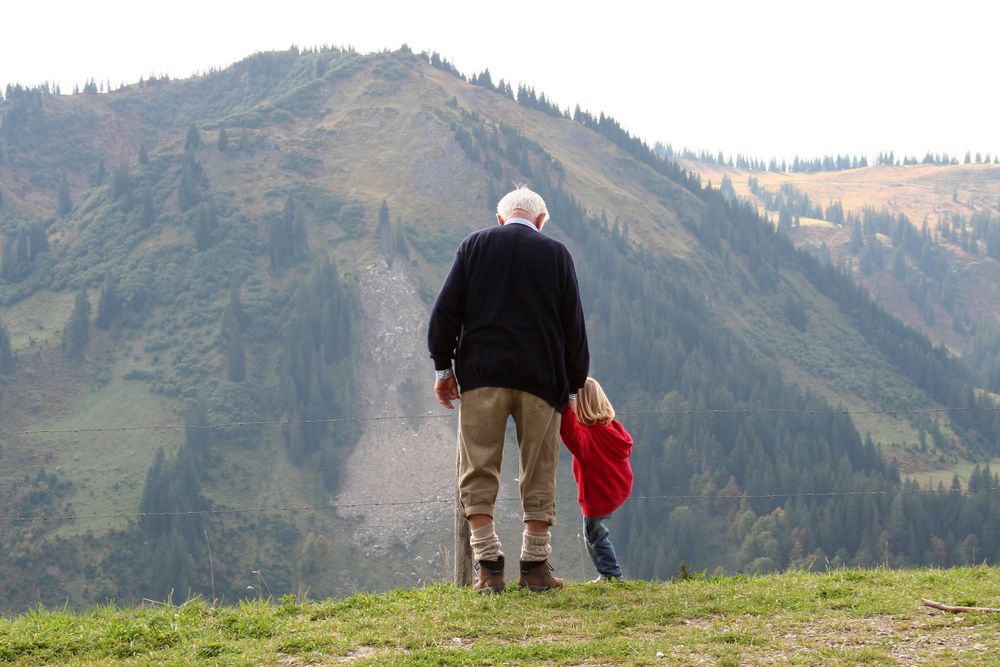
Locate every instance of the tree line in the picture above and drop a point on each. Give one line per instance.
(826, 163)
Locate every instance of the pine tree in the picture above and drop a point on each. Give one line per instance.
(167, 541)
(108, 304)
(6, 352)
(287, 241)
(193, 139)
(234, 321)
(8, 262)
(143, 155)
(147, 210)
(77, 331)
(223, 143)
(38, 240)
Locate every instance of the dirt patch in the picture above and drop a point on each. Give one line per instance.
(931, 639)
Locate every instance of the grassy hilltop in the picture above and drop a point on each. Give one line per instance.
(842, 617)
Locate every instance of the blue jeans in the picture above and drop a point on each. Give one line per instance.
(599, 546)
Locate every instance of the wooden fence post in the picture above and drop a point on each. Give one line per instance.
(463, 550)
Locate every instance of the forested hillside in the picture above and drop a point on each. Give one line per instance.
(922, 236)
(214, 298)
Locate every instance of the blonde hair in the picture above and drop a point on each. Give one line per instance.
(592, 404)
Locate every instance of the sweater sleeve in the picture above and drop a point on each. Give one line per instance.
(446, 316)
(574, 330)
(572, 433)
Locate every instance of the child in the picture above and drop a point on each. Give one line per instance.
(600, 447)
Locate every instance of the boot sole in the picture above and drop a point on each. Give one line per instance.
(542, 589)
(494, 590)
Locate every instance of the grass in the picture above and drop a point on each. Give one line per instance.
(38, 321)
(109, 469)
(843, 617)
(945, 475)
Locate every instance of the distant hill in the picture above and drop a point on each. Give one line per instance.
(923, 238)
(215, 292)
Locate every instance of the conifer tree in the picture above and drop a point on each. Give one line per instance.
(143, 155)
(235, 309)
(223, 143)
(38, 240)
(168, 541)
(77, 331)
(193, 139)
(234, 321)
(8, 262)
(108, 304)
(6, 352)
(287, 241)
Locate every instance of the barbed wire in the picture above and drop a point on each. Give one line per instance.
(452, 415)
(435, 501)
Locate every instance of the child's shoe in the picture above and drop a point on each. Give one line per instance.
(605, 580)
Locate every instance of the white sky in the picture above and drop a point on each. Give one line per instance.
(762, 78)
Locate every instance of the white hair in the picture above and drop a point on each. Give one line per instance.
(525, 201)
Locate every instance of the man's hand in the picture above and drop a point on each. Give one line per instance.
(446, 391)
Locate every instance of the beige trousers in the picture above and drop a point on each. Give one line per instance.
(482, 422)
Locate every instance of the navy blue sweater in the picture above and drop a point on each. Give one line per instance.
(509, 314)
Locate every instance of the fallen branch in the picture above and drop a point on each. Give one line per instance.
(958, 610)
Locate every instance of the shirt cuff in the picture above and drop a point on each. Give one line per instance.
(572, 397)
(444, 374)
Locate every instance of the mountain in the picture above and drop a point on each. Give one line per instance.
(215, 293)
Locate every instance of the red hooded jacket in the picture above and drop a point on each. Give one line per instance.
(600, 463)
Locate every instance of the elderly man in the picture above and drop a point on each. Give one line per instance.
(509, 315)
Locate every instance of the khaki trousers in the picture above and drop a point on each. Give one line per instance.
(482, 422)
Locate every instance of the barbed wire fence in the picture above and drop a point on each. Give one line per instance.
(377, 418)
(441, 501)
(702, 498)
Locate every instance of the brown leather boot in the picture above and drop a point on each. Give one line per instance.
(490, 576)
(537, 576)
